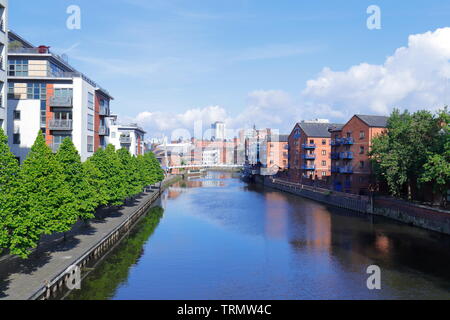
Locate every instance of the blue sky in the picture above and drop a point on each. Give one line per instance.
(161, 59)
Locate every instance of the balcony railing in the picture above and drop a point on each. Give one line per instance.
(103, 111)
(334, 169)
(309, 156)
(309, 146)
(61, 102)
(346, 155)
(347, 141)
(60, 125)
(125, 139)
(336, 142)
(308, 167)
(346, 169)
(103, 131)
(335, 156)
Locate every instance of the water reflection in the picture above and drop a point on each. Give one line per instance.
(223, 239)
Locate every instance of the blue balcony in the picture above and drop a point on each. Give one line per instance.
(335, 156)
(336, 142)
(309, 167)
(334, 169)
(309, 156)
(347, 141)
(346, 169)
(346, 155)
(309, 146)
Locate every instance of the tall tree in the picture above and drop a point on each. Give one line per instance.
(45, 199)
(130, 173)
(8, 182)
(69, 160)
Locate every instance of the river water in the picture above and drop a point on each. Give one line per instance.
(218, 238)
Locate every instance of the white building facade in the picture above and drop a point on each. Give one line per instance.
(3, 63)
(46, 94)
(130, 137)
(219, 131)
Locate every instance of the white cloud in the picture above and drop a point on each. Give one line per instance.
(414, 77)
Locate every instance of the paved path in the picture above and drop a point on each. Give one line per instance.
(19, 279)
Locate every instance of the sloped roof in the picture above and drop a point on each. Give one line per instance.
(318, 130)
(374, 121)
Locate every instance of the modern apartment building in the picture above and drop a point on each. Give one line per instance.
(219, 131)
(3, 63)
(350, 144)
(130, 137)
(309, 151)
(46, 94)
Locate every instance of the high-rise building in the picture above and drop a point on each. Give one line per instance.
(218, 131)
(47, 94)
(3, 62)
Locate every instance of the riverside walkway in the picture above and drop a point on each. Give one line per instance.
(21, 279)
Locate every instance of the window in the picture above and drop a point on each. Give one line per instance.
(16, 138)
(324, 142)
(43, 118)
(16, 114)
(324, 163)
(362, 134)
(90, 101)
(90, 125)
(349, 134)
(361, 164)
(361, 150)
(113, 135)
(18, 67)
(36, 91)
(324, 173)
(311, 141)
(324, 152)
(271, 162)
(10, 90)
(90, 144)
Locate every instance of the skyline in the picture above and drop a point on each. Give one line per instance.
(171, 63)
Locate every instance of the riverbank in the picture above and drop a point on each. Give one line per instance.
(43, 274)
(416, 215)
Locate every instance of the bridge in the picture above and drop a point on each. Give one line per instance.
(205, 166)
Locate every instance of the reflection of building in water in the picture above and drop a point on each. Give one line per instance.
(276, 215)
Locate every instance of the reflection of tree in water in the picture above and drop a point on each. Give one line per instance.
(102, 283)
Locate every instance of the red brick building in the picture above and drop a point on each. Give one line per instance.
(309, 151)
(350, 144)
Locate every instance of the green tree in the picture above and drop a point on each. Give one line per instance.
(129, 170)
(8, 182)
(69, 160)
(46, 201)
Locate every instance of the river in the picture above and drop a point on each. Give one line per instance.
(218, 238)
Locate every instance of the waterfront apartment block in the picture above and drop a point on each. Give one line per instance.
(309, 151)
(46, 94)
(274, 151)
(130, 137)
(350, 144)
(3, 63)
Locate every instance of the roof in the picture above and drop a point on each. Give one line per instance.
(278, 138)
(318, 130)
(373, 121)
(335, 128)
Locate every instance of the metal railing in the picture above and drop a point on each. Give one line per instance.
(103, 130)
(61, 101)
(308, 167)
(125, 139)
(346, 169)
(60, 124)
(346, 155)
(103, 111)
(309, 146)
(309, 156)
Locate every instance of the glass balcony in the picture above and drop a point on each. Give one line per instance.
(60, 125)
(125, 139)
(309, 156)
(336, 142)
(348, 141)
(309, 146)
(335, 156)
(346, 155)
(346, 169)
(308, 167)
(103, 131)
(103, 111)
(334, 169)
(61, 102)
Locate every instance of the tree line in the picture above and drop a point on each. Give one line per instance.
(50, 192)
(412, 158)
